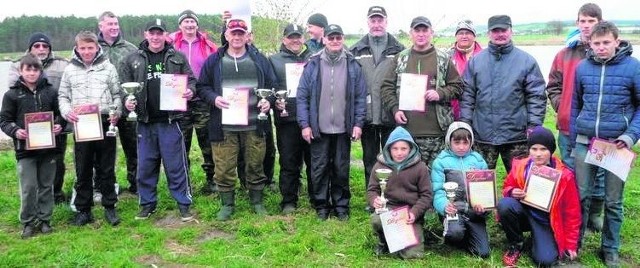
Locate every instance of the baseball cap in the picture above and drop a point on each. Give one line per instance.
(420, 20)
(292, 29)
(499, 21)
(156, 24)
(237, 25)
(376, 11)
(333, 29)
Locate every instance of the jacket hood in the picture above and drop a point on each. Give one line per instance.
(622, 51)
(400, 134)
(99, 58)
(455, 126)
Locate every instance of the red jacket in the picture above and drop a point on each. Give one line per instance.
(460, 61)
(565, 215)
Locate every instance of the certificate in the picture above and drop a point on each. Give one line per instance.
(541, 187)
(172, 86)
(89, 125)
(412, 89)
(293, 72)
(481, 188)
(398, 233)
(39, 128)
(605, 154)
(238, 111)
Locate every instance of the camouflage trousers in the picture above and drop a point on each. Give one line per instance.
(226, 158)
(430, 147)
(197, 116)
(508, 152)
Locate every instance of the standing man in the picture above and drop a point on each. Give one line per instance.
(91, 79)
(116, 49)
(196, 47)
(315, 28)
(293, 149)
(463, 49)
(53, 67)
(159, 137)
(237, 66)
(443, 85)
(560, 91)
(331, 112)
(503, 96)
(375, 52)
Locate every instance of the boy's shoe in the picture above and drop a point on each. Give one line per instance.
(185, 215)
(82, 218)
(288, 209)
(145, 212)
(610, 259)
(45, 228)
(511, 256)
(112, 216)
(381, 249)
(28, 231)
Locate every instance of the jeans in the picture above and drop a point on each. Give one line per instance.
(613, 187)
(568, 160)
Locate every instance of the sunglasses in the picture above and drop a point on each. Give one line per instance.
(334, 37)
(41, 45)
(237, 24)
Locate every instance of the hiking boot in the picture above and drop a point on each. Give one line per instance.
(610, 259)
(227, 199)
(112, 216)
(28, 231)
(82, 218)
(595, 220)
(185, 215)
(45, 228)
(288, 209)
(145, 212)
(511, 256)
(256, 197)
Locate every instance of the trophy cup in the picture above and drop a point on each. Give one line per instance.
(383, 174)
(132, 88)
(450, 189)
(113, 130)
(263, 93)
(282, 96)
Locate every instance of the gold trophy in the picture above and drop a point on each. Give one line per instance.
(383, 175)
(132, 88)
(113, 130)
(263, 93)
(282, 96)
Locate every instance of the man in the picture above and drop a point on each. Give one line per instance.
(159, 137)
(462, 50)
(116, 49)
(53, 67)
(293, 149)
(91, 79)
(375, 52)
(560, 91)
(606, 105)
(239, 68)
(315, 28)
(196, 47)
(427, 127)
(331, 111)
(503, 96)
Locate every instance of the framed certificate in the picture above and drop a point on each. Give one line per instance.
(293, 72)
(39, 128)
(89, 125)
(606, 154)
(541, 186)
(172, 86)
(481, 188)
(412, 89)
(238, 111)
(398, 233)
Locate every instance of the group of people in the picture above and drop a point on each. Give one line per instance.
(478, 105)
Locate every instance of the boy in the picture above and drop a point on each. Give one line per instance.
(408, 185)
(459, 157)
(36, 168)
(606, 105)
(554, 234)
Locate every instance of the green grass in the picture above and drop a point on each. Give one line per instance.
(247, 240)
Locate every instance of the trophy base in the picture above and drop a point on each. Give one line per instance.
(284, 114)
(111, 134)
(262, 116)
(132, 117)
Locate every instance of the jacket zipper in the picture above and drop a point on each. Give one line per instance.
(600, 99)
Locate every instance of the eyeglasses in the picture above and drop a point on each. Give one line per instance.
(334, 37)
(40, 45)
(237, 24)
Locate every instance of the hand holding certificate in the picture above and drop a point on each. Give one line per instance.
(89, 124)
(39, 127)
(606, 154)
(172, 88)
(398, 233)
(541, 187)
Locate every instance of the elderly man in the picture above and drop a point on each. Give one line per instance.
(463, 49)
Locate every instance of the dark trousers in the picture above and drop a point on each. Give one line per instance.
(268, 164)
(515, 219)
(162, 143)
(103, 152)
(508, 152)
(474, 237)
(293, 150)
(129, 142)
(330, 155)
(197, 116)
(58, 181)
(373, 139)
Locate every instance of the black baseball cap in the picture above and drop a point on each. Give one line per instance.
(376, 11)
(292, 29)
(420, 20)
(156, 24)
(499, 21)
(333, 29)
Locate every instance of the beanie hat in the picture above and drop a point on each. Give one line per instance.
(466, 25)
(541, 135)
(39, 37)
(318, 19)
(187, 14)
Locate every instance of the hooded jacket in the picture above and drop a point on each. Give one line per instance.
(196, 52)
(278, 62)
(52, 66)
(448, 160)
(459, 59)
(409, 183)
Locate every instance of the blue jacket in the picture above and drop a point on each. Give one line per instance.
(606, 98)
(308, 95)
(209, 87)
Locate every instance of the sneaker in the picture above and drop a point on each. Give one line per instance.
(28, 231)
(288, 209)
(185, 215)
(112, 216)
(45, 228)
(145, 212)
(610, 259)
(511, 256)
(82, 218)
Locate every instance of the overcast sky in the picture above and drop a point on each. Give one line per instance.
(350, 14)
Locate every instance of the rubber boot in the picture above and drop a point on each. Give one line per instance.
(256, 197)
(228, 201)
(595, 215)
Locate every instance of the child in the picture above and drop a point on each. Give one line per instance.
(458, 157)
(408, 185)
(36, 168)
(554, 234)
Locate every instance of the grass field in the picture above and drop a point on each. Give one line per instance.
(299, 240)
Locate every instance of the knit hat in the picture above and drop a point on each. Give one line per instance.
(318, 19)
(39, 37)
(466, 25)
(187, 14)
(541, 135)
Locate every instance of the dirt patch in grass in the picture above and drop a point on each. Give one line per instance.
(214, 234)
(151, 260)
(179, 249)
(172, 221)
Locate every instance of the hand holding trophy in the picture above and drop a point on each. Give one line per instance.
(282, 96)
(263, 93)
(113, 130)
(132, 88)
(450, 189)
(383, 175)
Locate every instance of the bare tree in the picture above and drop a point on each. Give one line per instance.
(555, 27)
